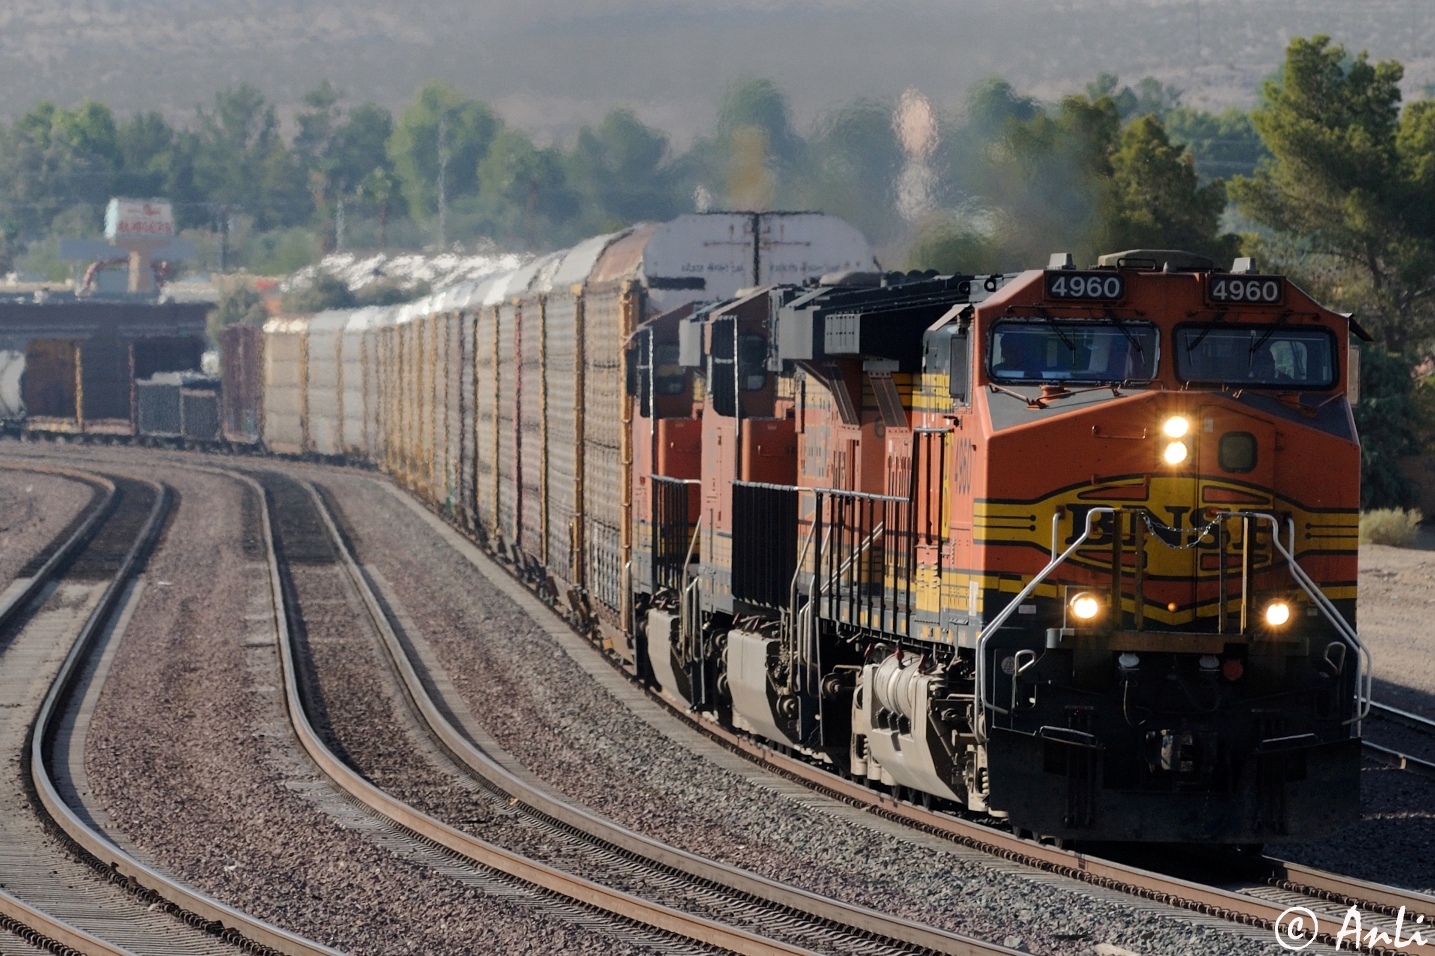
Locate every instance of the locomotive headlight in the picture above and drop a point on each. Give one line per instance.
(1085, 606)
(1176, 426)
(1175, 453)
(1277, 613)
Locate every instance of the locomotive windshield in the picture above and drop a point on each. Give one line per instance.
(1263, 356)
(1072, 351)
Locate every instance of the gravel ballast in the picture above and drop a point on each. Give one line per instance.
(549, 713)
(557, 722)
(190, 755)
(1395, 839)
(34, 508)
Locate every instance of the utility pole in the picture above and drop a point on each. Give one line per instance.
(442, 177)
(223, 235)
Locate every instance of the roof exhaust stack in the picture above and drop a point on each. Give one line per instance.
(1061, 260)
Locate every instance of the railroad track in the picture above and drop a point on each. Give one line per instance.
(87, 895)
(1269, 887)
(1396, 758)
(721, 906)
(1255, 901)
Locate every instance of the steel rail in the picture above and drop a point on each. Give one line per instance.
(1397, 716)
(22, 598)
(233, 923)
(571, 887)
(1395, 759)
(1146, 884)
(54, 933)
(570, 816)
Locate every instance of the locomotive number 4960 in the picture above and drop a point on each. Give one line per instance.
(1085, 285)
(1255, 290)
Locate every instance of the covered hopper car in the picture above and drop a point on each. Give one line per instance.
(1072, 547)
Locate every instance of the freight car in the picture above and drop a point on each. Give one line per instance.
(1071, 547)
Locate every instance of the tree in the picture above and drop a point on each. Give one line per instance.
(522, 188)
(437, 145)
(1352, 179)
(1385, 417)
(753, 151)
(1221, 144)
(55, 159)
(241, 162)
(852, 161)
(1149, 97)
(1155, 201)
(147, 160)
(338, 151)
(383, 192)
(620, 173)
(359, 144)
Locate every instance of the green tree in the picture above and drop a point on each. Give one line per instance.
(1222, 144)
(522, 189)
(53, 160)
(851, 163)
(242, 163)
(437, 144)
(359, 145)
(338, 151)
(382, 192)
(1149, 98)
(753, 151)
(1155, 201)
(1386, 417)
(147, 158)
(1352, 179)
(621, 174)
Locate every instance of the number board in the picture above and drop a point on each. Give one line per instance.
(1092, 286)
(1246, 290)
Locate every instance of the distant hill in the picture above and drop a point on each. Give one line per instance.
(551, 65)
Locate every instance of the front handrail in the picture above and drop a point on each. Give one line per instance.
(985, 634)
(1365, 665)
(1365, 672)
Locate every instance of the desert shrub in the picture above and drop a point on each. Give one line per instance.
(1393, 526)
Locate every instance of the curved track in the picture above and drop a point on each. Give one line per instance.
(116, 904)
(1423, 765)
(758, 915)
(1264, 889)
(1270, 886)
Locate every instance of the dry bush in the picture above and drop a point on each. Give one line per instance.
(1392, 526)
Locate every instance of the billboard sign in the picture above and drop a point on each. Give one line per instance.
(139, 219)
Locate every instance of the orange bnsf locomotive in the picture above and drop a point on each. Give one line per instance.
(1075, 548)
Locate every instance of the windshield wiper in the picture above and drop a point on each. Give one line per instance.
(1126, 332)
(1271, 331)
(1046, 317)
(1191, 346)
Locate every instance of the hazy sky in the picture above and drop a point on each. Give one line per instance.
(551, 65)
